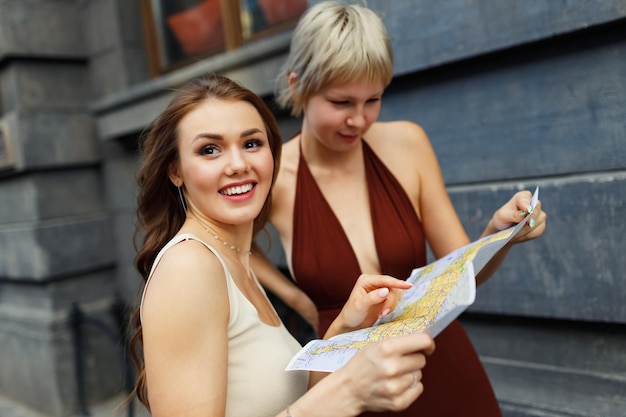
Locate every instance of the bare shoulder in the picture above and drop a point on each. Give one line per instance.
(189, 280)
(398, 141)
(193, 256)
(400, 127)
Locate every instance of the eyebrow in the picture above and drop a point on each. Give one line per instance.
(216, 136)
(250, 132)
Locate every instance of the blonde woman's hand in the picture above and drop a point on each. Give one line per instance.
(514, 211)
(372, 297)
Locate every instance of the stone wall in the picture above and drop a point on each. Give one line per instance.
(56, 237)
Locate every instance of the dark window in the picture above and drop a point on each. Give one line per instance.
(181, 31)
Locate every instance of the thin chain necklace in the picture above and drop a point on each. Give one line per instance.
(225, 243)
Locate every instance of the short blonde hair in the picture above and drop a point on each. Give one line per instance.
(334, 43)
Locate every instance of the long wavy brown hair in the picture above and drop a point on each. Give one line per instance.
(159, 210)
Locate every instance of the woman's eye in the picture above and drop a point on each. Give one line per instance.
(208, 150)
(253, 143)
(340, 102)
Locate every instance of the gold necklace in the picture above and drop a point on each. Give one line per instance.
(228, 245)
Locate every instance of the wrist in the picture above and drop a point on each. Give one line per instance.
(490, 228)
(333, 396)
(336, 327)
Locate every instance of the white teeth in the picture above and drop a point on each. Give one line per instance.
(237, 190)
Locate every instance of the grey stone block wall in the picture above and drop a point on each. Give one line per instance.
(50, 195)
(39, 359)
(119, 175)
(57, 243)
(37, 28)
(426, 36)
(552, 367)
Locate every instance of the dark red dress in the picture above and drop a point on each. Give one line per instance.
(326, 268)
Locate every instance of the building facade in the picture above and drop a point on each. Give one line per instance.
(513, 94)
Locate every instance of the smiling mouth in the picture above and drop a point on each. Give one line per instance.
(240, 189)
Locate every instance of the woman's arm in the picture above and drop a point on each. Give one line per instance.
(442, 226)
(185, 316)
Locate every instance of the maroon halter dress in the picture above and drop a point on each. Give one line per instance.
(326, 268)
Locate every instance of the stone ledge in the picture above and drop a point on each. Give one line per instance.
(26, 28)
(562, 392)
(55, 248)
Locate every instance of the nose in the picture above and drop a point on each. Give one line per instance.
(356, 119)
(237, 163)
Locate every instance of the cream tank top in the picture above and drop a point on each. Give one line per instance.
(258, 353)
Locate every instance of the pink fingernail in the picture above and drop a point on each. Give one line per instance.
(383, 292)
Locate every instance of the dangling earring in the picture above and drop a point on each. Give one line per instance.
(182, 198)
